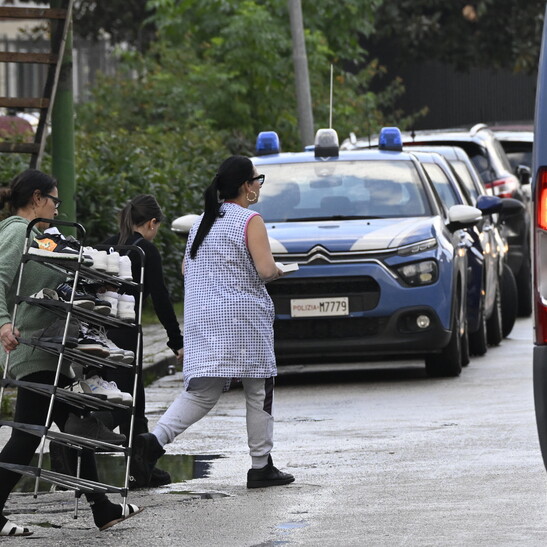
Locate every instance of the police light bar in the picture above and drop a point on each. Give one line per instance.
(326, 144)
(390, 139)
(267, 143)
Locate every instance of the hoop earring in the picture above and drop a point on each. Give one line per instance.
(251, 200)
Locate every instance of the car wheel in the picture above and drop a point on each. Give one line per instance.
(449, 361)
(524, 288)
(509, 300)
(494, 322)
(478, 344)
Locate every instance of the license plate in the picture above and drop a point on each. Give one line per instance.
(319, 307)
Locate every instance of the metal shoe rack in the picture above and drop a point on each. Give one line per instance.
(76, 269)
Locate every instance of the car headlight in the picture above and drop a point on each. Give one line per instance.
(419, 273)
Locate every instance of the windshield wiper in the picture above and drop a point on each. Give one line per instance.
(333, 217)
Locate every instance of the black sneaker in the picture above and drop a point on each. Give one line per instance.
(89, 343)
(47, 243)
(92, 428)
(146, 452)
(81, 300)
(52, 336)
(267, 476)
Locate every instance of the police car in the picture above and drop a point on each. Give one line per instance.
(382, 265)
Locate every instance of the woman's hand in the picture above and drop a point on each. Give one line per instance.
(179, 355)
(8, 338)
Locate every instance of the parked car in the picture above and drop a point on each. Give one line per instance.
(488, 156)
(491, 234)
(383, 266)
(485, 258)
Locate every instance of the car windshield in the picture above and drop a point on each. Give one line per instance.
(341, 190)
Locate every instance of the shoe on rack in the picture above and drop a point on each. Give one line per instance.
(112, 298)
(128, 356)
(81, 299)
(81, 387)
(267, 476)
(46, 294)
(146, 452)
(52, 336)
(99, 386)
(48, 243)
(92, 428)
(89, 343)
(159, 477)
(125, 268)
(99, 258)
(126, 307)
(116, 353)
(113, 262)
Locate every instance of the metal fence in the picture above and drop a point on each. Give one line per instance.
(27, 80)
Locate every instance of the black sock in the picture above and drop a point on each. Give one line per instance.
(3, 521)
(105, 511)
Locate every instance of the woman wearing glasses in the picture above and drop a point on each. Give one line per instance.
(228, 321)
(33, 194)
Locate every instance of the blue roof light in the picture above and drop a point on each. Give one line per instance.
(390, 139)
(267, 143)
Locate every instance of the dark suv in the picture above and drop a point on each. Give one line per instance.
(491, 162)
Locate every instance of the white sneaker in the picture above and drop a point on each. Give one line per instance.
(128, 356)
(98, 386)
(81, 387)
(99, 258)
(113, 262)
(126, 307)
(112, 298)
(110, 389)
(125, 268)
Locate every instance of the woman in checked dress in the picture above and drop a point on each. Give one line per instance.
(228, 321)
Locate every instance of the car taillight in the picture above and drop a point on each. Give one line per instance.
(540, 266)
(504, 187)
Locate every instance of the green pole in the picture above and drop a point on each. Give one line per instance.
(62, 133)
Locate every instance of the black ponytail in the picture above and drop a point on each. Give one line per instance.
(139, 210)
(232, 173)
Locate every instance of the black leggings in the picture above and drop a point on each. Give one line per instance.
(31, 408)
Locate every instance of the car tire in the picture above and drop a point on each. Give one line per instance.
(494, 323)
(465, 348)
(448, 363)
(478, 342)
(524, 288)
(509, 300)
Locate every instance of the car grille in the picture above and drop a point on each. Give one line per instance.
(323, 328)
(335, 286)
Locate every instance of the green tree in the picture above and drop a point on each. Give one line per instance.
(481, 33)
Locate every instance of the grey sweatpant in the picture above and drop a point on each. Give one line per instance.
(202, 395)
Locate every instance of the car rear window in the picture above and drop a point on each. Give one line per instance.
(341, 189)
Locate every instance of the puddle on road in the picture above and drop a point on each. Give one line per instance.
(111, 468)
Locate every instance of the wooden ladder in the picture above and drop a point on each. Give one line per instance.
(59, 21)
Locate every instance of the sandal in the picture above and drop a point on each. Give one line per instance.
(12, 529)
(130, 511)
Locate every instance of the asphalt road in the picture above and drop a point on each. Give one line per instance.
(382, 457)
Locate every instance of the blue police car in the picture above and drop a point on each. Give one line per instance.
(382, 264)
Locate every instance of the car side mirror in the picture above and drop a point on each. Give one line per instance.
(489, 205)
(510, 207)
(524, 174)
(182, 225)
(462, 216)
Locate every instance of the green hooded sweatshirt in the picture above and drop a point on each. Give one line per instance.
(24, 359)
